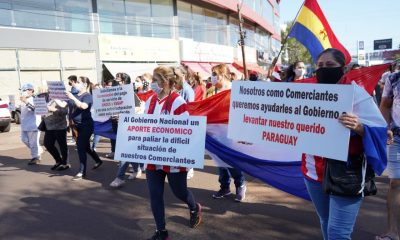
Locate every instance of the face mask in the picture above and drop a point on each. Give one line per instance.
(214, 80)
(299, 72)
(25, 94)
(329, 75)
(154, 86)
(78, 87)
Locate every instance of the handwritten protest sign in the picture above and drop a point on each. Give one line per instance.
(56, 90)
(292, 117)
(162, 140)
(113, 101)
(40, 106)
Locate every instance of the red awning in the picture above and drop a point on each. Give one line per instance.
(250, 67)
(198, 68)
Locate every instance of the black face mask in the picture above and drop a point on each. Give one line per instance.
(329, 75)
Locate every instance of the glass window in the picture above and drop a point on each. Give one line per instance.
(185, 19)
(112, 16)
(222, 29)
(162, 13)
(249, 3)
(257, 6)
(35, 14)
(250, 38)
(5, 13)
(234, 31)
(267, 12)
(198, 23)
(74, 15)
(138, 17)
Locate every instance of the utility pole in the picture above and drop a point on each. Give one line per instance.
(241, 42)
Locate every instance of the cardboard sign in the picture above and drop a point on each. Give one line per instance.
(40, 106)
(57, 90)
(162, 140)
(292, 117)
(112, 101)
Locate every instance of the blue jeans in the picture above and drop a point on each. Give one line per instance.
(225, 175)
(337, 214)
(96, 140)
(83, 145)
(178, 184)
(124, 165)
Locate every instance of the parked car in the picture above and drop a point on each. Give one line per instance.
(5, 117)
(16, 115)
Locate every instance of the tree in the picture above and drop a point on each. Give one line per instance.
(293, 50)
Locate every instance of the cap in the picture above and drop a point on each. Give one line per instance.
(253, 73)
(27, 86)
(276, 75)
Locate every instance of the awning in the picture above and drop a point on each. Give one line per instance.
(250, 67)
(132, 69)
(204, 72)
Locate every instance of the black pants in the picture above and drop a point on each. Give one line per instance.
(83, 145)
(50, 138)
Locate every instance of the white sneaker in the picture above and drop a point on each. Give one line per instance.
(190, 174)
(117, 183)
(135, 175)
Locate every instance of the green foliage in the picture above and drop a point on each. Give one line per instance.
(294, 49)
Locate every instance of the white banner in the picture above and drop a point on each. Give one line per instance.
(112, 101)
(57, 90)
(292, 117)
(161, 139)
(40, 106)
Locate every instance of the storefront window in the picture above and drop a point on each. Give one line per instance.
(198, 17)
(138, 14)
(250, 38)
(35, 14)
(162, 13)
(234, 31)
(185, 19)
(249, 3)
(5, 13)
(112, 16)
(74, 16)
(267, 12)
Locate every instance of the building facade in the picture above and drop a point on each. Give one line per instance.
(46, 40)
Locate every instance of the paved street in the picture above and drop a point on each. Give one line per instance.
(37, 203)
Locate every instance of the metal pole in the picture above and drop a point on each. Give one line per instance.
(241, 42)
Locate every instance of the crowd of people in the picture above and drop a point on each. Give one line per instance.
(172, 88)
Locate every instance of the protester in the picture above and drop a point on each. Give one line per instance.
(221, 81)
(83, 123)
(296, 72)
(391, 112)
(72, 79)
(29, 123)
(147, 79)
(168, 102)
(199, 88)
(233, 76)
(337, 211)
(253, 76)
(96, 137)
(56, 131)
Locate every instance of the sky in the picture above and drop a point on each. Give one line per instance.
(355, 20)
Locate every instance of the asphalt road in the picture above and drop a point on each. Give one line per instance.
(36, 203)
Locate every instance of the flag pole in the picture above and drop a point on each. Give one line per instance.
(284, 42)
(241, 41)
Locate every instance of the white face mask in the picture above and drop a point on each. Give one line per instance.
(154, 86)
(25, 94)
(214, 80)
(78, 86)
(299, 72)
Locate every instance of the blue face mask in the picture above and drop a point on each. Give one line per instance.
(74, 90)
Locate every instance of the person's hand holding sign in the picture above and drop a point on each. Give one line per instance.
(352, 122)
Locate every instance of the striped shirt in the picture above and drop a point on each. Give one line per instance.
(169, 105)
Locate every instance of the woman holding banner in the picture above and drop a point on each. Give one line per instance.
(167, 101)
(83, 123)
(221, 81)
(337, 188)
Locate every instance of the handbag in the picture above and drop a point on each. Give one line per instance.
(347, 178)
(42, 126)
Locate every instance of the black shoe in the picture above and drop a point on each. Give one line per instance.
(97, 165)
(34, 161)
(55, 166)
(160, 235)
(195, 217)
(63, 167)
(223, 192)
